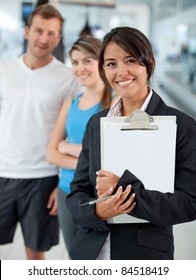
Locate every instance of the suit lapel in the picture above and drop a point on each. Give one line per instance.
(156, 106)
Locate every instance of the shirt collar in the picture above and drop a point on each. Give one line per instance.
(116, 109)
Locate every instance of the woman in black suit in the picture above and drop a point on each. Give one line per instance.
(127, 64)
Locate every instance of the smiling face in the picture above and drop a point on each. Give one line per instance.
(126, 76)
(85, 68)
(43, 36)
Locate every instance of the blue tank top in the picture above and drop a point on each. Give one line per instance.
(75, 127)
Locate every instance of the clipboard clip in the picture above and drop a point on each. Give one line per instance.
(140, 120)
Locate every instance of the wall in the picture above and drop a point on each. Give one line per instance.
(75, 17)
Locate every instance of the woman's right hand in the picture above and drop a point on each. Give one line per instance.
(105, 180)
(114, 206)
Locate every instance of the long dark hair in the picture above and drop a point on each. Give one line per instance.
(134, 42)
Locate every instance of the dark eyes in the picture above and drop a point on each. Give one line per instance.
(50, 34)
(112, 64)
(84, 62)
(87, 61)
(38, 30)
(132, 60)
(74, 62)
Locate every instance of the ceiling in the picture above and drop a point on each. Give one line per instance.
(105, 2)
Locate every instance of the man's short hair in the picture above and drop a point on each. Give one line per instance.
(46, 11)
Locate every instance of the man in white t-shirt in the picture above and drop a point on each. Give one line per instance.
(32, 90)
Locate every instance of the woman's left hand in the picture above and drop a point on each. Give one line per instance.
(63, 147)
(120, 203)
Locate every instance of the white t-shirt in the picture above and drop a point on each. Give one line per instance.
(30, 101)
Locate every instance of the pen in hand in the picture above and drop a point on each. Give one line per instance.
(96, 200)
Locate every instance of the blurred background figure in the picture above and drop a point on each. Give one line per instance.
(59, 51)
(32, 90)
(65, 144)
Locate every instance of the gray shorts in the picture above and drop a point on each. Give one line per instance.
(25, 201)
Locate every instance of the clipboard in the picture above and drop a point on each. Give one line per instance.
(143, 144)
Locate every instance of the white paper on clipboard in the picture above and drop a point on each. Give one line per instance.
(148, 154)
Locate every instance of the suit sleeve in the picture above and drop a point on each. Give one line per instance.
(164, 209)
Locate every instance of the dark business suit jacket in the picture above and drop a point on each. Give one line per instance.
(152, 240)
